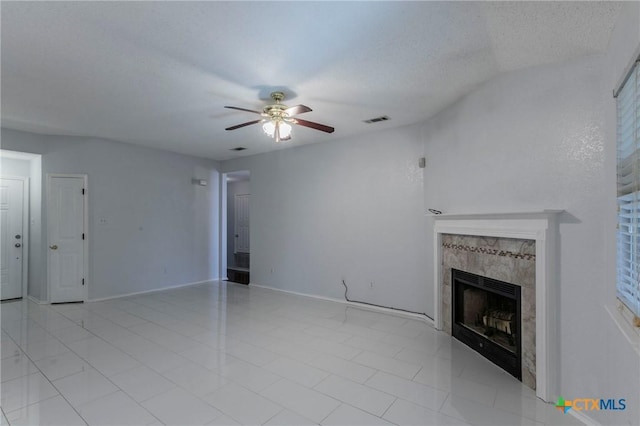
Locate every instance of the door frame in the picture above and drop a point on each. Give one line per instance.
(235, 223)
(222, 247)
(223, 240)
(25, 231)
(85, 225)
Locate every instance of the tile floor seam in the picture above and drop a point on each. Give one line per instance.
(310, 389)
(33, 403)
(226, 414)
(98, 371)
(127, 394)
(391, 394)
(104, 396)
(332, 411)
(274, 416)
(246, 389)
(330, 372)
(50, 382)
(390, 405)
(495, 399)
(386, 372)
(361, 384)
(150, 321)
(443, 401)
(417, 372)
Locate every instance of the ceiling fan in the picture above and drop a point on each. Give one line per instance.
(277, 119)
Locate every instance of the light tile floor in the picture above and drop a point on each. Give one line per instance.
(226, 354)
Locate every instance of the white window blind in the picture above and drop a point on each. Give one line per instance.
(628, 170)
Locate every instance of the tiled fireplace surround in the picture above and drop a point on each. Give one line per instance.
(518, 248)
(505, 259)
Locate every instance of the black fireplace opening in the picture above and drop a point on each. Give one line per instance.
(486, 317)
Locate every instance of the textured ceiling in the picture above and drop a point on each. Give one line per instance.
(159, 73)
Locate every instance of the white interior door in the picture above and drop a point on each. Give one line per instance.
(11, 234)
(65, 211)
(242, 223)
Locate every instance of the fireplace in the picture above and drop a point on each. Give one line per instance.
(519, 248)
(486, 316)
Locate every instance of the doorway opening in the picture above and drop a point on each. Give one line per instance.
(21, 193)
(238, 226)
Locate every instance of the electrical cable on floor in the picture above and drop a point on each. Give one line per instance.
(346, 289)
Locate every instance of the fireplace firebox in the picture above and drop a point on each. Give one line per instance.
(486, 317)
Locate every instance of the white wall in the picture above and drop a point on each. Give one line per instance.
(37, 263)
(233, 189)
(161, 229)
(15, 167)
(544, 138)
(349, 209)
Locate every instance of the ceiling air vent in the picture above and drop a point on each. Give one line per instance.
(239, 148)
(377, 119)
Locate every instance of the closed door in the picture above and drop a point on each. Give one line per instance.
(65, 211)
(11, 227)
(242, 223)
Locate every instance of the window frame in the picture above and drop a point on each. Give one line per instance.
(628, 192)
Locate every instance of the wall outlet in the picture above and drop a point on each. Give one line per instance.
(103, 221)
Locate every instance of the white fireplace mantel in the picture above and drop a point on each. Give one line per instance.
(540, 226)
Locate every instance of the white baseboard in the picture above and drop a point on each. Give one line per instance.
(136, 293)
(38, 301)
(353, 304)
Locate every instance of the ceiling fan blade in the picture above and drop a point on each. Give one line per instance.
(313, 125)
(298, 109)
(248, 123)
(243, 109)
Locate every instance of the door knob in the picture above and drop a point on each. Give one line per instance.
(18, 245)
(53, 247)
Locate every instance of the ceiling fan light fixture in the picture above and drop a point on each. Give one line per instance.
(284, 129)
(277, 119)
(269, 128)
